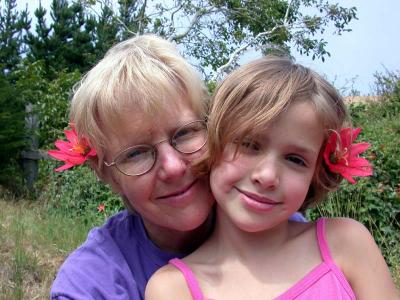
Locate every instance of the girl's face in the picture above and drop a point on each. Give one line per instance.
(269, 178)
(169, 196)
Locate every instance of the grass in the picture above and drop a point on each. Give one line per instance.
(33, 244)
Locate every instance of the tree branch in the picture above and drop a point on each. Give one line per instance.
(233, 57)
(200, 13)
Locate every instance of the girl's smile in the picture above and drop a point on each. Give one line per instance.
(256, 202)
(269, 178)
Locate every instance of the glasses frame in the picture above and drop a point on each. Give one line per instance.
(154, 148)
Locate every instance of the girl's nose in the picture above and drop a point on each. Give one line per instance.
(171, 163)
(266, 174)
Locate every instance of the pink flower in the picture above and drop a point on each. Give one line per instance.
(74, 152)
(342, 156)
(101, 207)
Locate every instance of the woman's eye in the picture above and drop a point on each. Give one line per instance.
(182, 133)
(137, 154)
(297, 160)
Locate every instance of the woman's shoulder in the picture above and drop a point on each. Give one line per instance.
(101, 261)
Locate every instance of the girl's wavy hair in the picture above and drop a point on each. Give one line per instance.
(256, 94)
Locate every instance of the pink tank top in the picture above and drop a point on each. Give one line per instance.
(326, 281)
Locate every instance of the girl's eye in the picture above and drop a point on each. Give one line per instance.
(297, 160)
(250, 145)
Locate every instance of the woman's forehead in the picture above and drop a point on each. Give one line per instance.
(137, 126)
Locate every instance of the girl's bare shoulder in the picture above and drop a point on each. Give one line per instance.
(354, 250)
(167, 283)
(348, 236)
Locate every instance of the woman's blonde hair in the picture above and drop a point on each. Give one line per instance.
(256, 94)
(144, 73)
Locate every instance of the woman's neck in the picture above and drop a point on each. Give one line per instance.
(176, 241)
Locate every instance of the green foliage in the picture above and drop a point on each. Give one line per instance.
(77, 192)
(13, 27)
(65, 45)
(53, 107)
(12, 131)
(50, 98)
(375, 201)
(105, 32)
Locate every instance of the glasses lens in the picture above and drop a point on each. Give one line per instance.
(191, 137)
(136, 160)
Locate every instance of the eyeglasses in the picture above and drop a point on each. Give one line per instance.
(140, 159)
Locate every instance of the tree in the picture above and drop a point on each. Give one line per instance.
(67, 43)
(39, 43)
(215, 33)
(132, 17)
(105, 30)
(13, 27)
(12, 131)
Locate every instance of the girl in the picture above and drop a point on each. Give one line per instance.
(278, 143)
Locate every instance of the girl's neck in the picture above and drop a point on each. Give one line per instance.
(231, 240)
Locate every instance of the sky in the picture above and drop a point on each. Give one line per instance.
(370, 47)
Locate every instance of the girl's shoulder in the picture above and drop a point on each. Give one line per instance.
(347, 239)
(167, 283)
(345, 234)
(354, 250)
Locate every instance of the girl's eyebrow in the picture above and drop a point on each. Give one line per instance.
(304, 150)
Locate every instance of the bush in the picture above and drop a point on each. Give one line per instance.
(50, 98)
(12, 133)
(77, 192)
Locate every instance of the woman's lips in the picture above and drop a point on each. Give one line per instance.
(180, 196)
(256, 202)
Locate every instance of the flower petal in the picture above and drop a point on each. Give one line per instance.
(359, 148)
(64, 167)
(71, 136)
(63, 145)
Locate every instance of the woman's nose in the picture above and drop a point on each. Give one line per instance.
(171, 163)
(266, 174)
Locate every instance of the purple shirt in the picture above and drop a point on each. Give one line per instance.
(115, 262)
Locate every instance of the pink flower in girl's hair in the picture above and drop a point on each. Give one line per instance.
(74, 152)
(342, 157)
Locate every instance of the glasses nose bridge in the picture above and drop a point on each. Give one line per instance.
(169, 140)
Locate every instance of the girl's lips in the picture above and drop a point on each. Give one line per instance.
(256, 202)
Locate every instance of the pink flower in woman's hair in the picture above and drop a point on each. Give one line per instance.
(342, 156)
(74, 152)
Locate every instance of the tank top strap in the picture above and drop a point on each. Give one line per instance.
(323, 245)
(191, 280)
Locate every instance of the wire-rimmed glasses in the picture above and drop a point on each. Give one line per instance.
(140, 159)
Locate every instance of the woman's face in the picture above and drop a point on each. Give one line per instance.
(169, 196)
